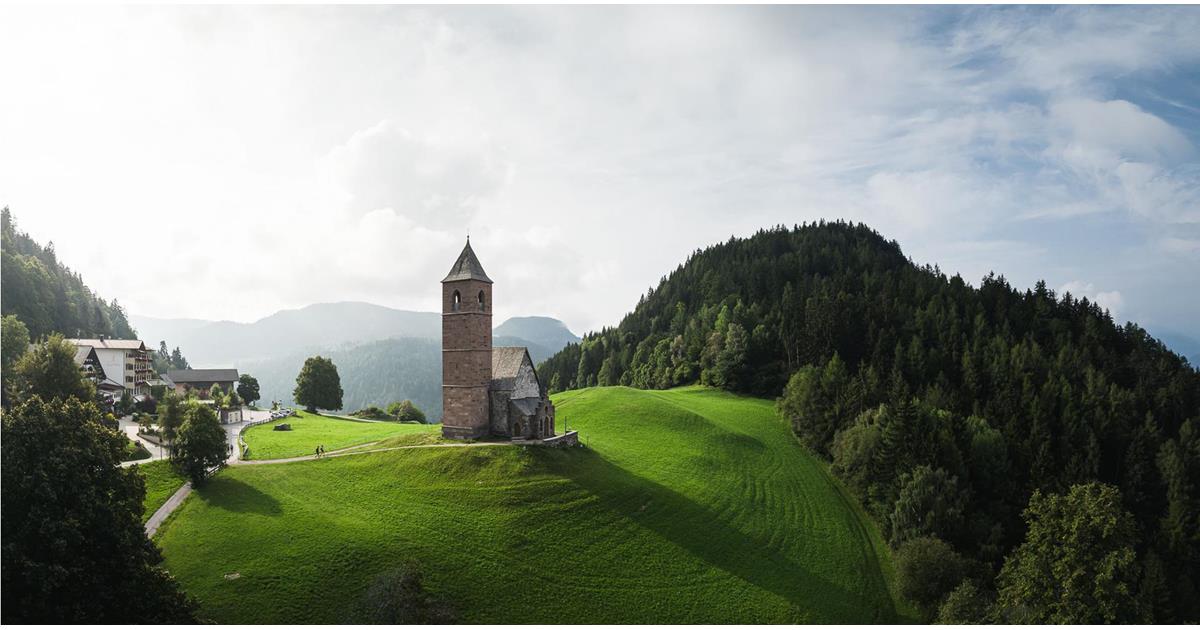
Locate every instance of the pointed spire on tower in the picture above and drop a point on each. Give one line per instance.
(467, 267)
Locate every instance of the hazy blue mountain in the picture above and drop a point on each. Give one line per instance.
(314, 327)
(323, 326)
(1181, 344)
(382, 354)
(546, 333)
(372, 373)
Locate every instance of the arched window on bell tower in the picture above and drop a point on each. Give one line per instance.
(456, 301)
(482, 301)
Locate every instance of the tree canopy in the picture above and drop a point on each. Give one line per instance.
(200, 445)
(406, 411)
(943, 406)
(74, 550)
(48, 370)
(318, 385)
(1077, 564)
(47, 296)
(247, 388)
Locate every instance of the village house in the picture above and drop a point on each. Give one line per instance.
(124, 362)
(201, 380)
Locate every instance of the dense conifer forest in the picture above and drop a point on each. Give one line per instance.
(47, 296)
(965, 419)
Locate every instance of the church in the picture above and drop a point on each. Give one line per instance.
(486, 392)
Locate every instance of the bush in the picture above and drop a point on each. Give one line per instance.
(398, 597)
(406, 411)
(926, 570)
(147, 405)
(371, 413)
(966, 604)
(135, 451)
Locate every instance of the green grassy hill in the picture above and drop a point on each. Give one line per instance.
(161, 482)
(309, 430)
(688, 506)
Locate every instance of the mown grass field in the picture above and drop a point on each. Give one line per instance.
(309, 430)
(161, 482)
(688, 506)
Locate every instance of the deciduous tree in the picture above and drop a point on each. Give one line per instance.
(74, 549)
(247, 388)
(1077, 564)
(49, 371)
(200, 445)
(318, 385)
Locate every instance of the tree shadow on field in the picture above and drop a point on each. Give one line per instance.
(237, 496)
(705, 534)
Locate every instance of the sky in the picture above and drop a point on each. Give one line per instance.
(228, 162)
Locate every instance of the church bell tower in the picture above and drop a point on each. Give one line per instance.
(466, 348)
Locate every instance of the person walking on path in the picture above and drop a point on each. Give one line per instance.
(317, 451)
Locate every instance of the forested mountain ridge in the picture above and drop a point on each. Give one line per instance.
(320, 327)
(47, 296)
(944, 407)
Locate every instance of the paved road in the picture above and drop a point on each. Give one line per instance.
(165, 510)
(129, 427)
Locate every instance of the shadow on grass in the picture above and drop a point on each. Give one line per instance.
(236, 496)
(705, 534)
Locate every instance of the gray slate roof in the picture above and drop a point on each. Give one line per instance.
(527, 406)
(467, 267)
(82, 353)
(110, 344)
(213, 375)
(506, 362)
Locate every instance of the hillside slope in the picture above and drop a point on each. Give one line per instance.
(687, 506)
(918, 388)
(47, 296)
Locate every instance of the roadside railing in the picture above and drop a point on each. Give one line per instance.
(244, 448)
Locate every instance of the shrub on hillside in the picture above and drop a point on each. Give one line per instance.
(966, 604)
(406, 411)
(927, 569)
(398, 597)
(372, 413)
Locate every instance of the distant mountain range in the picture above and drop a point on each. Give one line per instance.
(383, 354)
(316, 327)
(1187, 346)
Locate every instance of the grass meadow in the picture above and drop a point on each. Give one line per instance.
(309, 430)
(161, 482)
(686, 506)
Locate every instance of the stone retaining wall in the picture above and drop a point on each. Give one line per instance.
(568, 439)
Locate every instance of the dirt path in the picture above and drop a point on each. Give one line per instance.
(165, 509)
(359, 450)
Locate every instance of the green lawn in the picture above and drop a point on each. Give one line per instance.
(309, 430)
(688, 506)
(161, 482)
(135, 451)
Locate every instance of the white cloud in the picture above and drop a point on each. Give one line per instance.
(1110, 300)
(279, 156)
(433, 181)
